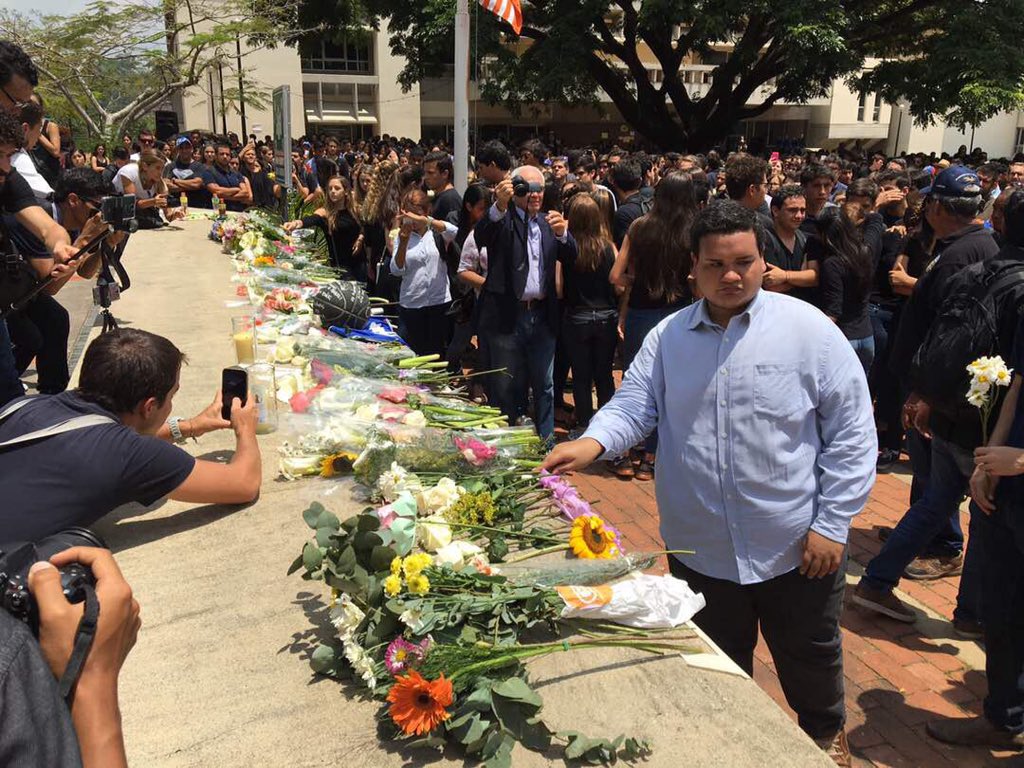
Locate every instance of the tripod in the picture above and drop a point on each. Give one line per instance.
(108, 288)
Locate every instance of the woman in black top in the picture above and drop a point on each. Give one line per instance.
(264, 190)
(590, 329)
(343, 232)
(99, 159)
(844, 279)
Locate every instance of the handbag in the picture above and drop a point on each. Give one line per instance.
(17, 278)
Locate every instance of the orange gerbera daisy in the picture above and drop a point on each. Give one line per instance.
(418, 704)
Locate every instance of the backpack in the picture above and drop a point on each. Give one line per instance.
(646, 203)
(978, 316)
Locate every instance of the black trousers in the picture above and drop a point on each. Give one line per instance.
(590, 339)
(426, 330)
(40, 331)
(799, 618)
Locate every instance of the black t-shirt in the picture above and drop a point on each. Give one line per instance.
(262, 188)
(197, 198)
(35, 724)
(448, 201)
(76, 478)
(1010, 491)
(341, 241)
(15, 193)
(229, 180)
(882, 294)
(843, 299)
(588, 289)
(628, 211)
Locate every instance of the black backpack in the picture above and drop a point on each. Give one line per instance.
(979, 314)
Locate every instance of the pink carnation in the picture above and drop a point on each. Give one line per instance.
(475, 451)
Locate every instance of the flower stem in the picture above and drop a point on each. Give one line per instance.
(537, 553)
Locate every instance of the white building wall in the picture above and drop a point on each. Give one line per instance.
(399, 113)
(995, 136)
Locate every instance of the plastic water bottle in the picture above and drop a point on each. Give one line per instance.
(183, 200)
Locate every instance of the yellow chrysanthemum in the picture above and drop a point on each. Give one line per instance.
(392, 585)
(591, 538)
(413, 565)
(396, 566)
(337, 463)
(419, 584)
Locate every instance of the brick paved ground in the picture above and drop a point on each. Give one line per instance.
(896, 678)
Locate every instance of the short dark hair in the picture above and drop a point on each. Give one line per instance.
(14, 61)
(31, 114)
(900, 178)
(535, 148)
(789, 191)
(84, 182)
(126, 367)
(726, 217)
(1013, 213)
(625, 175)
(120, 153)
(815, 171)
(863, 187)
(743, 171)
(11, 132)
(443, 160)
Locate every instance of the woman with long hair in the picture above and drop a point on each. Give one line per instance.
(475, 202)
(606, 202)
(590, 327)
(338, 223)
(99, 159)
(653, 266)
(77, 158)
(264, 189)
(845, 276)
(423, 321)
(362, 175)
(380, 206)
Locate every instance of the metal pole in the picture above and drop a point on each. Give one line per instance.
(241, 85)
(223, 108)
(461, 144)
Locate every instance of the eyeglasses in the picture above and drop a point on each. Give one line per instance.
(146, 141)
(17, 104)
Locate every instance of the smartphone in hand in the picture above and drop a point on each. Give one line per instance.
(234, 382)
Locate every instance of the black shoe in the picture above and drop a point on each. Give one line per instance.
(968, 629)
(974, 732)
(887, 459)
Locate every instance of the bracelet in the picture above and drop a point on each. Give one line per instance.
(174, 423)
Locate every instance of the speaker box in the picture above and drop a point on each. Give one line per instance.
(166, 124)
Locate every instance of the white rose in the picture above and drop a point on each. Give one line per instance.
(433, 533)
(414, 419)
(456, 554)
(435, 500)
(346, 616)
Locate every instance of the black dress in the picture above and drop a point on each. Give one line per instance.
(341, 242)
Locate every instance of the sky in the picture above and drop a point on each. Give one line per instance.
(45, 6)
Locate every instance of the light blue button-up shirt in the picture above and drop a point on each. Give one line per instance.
(765, 430)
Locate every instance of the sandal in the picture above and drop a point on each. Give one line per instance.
(622, 468)
(645, 471)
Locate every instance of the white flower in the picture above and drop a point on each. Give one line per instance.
(394, 481)
(433, 533)
(361, 663)
(977, 397)
(435, 500)
(481, 564)
(300, 466)
(413, 619)
(456, 554)
(346, 616)
(414, 419)
(367, 412)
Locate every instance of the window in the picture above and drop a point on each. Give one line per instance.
(1018, 145)
(876, 113)
(346, 55)
(861, 105)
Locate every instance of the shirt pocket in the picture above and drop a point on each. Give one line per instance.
(778, 391)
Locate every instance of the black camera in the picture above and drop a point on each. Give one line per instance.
(16, 560)
(521, 187)
(119, 212)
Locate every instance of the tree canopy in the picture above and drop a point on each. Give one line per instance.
(955, 60)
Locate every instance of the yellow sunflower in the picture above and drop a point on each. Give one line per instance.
(337, 464)
(592, 538)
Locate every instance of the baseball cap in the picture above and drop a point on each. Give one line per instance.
(183, 140)
(955, 181)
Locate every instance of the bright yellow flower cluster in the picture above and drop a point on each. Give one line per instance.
(412, 568)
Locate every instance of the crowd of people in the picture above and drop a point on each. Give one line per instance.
(767, 314)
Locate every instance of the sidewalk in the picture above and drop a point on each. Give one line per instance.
(898, 676)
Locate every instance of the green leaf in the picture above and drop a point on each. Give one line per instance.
(324, 659)
(368, 523)
(296, 564)
(380, 558)
(345, 562)
(312, 557)
(516, 689)
(323, 537)
(329, 520)
(312, 514)
(365, 541)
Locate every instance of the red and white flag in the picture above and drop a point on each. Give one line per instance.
(509, 11)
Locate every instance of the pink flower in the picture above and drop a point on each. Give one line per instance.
(301, 401)
(321, 372)
(393, 412)
(558, 485)
(573, 506)
(394, 394)
(401, 654)
(475, 451)
(386, 515)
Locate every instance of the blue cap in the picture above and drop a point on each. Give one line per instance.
(955, 181)
(183, 140)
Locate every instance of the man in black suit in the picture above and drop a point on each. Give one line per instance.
(519, 315)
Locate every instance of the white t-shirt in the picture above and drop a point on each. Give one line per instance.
(131, 172)
(24, 165)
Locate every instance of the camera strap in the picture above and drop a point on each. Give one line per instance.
(84, 637)
(68, 425)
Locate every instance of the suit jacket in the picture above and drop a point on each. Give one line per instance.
(505, 240)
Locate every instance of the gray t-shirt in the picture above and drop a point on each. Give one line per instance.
(35, 724)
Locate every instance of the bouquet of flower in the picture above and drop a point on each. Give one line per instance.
(987, 373)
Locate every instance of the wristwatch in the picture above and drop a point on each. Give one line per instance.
(176, 434)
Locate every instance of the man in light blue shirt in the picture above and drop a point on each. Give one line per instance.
(767, 450)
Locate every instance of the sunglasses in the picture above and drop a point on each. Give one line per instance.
(17, 104)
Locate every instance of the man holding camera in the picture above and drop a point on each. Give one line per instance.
(519, 311)
(121, 452)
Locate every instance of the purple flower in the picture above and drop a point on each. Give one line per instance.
(401, 654)
(572, 506)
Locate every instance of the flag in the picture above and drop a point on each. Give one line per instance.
(509, 11)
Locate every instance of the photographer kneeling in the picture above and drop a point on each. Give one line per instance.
(35, 727)
(56, 471)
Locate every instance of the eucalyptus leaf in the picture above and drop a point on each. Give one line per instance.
(312, 514)
(365, 541)
(296, 564)
(516, 689)
(312, 557)
(381, 557)
(324, 659)
(328, 519)
(324, 536)
(368, 522)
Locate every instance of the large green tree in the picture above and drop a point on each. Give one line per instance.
(113, 63)
(956, 60)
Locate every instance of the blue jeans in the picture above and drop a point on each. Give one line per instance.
(528, 357)
(10, 383)
(1003, 615)
(951, 470)
(865, 349)
(640, 322)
